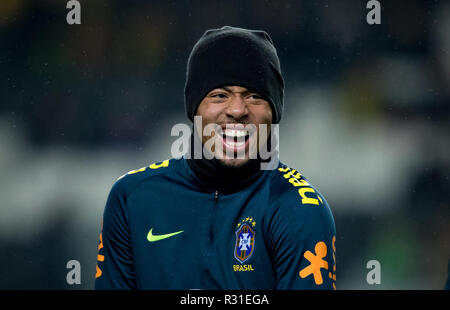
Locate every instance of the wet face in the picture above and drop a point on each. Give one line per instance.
(238, 112)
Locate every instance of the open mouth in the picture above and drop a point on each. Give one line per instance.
(235, 136)
(235, 140)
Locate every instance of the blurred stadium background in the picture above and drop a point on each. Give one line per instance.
(366, 120)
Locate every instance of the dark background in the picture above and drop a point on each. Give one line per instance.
(366, 120)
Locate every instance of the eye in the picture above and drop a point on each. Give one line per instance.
(218, 95)
(255, 97)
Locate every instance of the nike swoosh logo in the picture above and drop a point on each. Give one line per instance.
(152, 238)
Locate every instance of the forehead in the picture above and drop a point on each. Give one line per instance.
(233, 88)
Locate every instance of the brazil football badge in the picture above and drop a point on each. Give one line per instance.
(245, 240)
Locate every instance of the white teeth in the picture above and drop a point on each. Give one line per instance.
(234, 144)
(235, 133)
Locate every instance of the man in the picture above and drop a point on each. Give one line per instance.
(221, 222)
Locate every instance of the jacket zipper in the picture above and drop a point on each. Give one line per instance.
(211, 220)
(213, 214)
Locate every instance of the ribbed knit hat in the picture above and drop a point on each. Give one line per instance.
(234, 56)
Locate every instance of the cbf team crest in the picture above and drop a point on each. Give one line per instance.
(245, 240)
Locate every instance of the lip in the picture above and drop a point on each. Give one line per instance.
(239, 126)
(233, 126)
(235, 149)
(239, 148)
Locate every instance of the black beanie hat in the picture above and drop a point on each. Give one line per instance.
(234, 56)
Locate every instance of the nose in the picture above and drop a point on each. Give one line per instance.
(237, 108)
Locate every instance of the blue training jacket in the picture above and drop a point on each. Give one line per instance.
(163, 229)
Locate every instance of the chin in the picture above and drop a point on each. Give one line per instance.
(234, 163)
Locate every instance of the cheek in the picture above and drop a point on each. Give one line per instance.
(208, 112)
(264, 115)
(269, 115)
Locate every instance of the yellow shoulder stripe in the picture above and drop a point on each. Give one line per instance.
(152, 166)
(296, 180)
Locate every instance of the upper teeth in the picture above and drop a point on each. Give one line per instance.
(235, 133)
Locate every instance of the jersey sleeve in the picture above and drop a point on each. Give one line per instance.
(115, 258)
(302, 237)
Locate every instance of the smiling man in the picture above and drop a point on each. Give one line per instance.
(221, 220)
(237, 114)
(235, 124)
